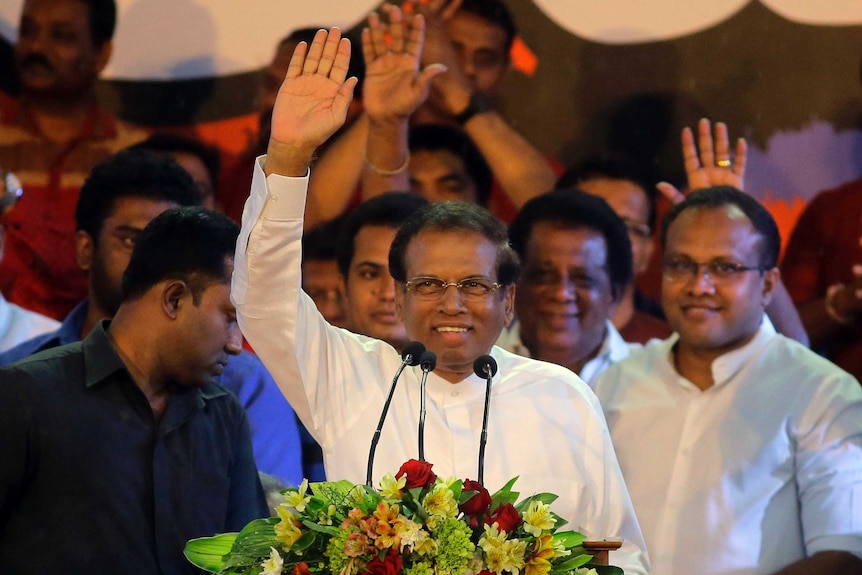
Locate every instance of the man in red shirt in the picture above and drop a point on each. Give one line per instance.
(50, 137)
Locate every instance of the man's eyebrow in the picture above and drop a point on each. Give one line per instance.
(128, 228)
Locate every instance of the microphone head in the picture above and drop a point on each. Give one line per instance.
(485, 366)
(414, 351)
(428, 360)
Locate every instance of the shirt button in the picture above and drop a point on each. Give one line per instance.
(455, 393)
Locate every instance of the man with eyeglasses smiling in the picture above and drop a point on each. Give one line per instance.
(742, 449)
(454, 278)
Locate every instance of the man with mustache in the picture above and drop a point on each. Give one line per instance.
(51, 136)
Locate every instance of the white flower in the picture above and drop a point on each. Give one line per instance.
(274, 565)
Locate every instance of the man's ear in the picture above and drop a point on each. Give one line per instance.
(84, 249)
(174, 297)
(509, 304)
(771, 279)
(103, 54)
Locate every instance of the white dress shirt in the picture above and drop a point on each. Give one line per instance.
(545, 425)
(760, 470)
(613, 349)
(18, 324)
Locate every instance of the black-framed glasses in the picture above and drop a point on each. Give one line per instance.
(684, 269)
(428, 287)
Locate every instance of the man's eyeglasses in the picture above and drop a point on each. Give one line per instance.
(427, 287)
(683, 269)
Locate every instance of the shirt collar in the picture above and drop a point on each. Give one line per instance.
(101, 359)
(729, 364)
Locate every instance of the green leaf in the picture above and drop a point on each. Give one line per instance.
(569, 539)
(571, 564)
(605, 569)
(208, 552)
(546, 498)
(466, 496)
(328, 529)
(505, 495)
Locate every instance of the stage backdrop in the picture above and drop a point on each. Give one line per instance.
(588, 75)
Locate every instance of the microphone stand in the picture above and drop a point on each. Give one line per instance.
(485, 366)
(410, 356)
(428, 362)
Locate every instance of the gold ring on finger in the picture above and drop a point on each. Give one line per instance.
(723, 163)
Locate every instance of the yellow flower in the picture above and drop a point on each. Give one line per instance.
(492, 538)
(408, 530)
(390, 488)
(274, 565)
(441, 502)
(539, 562)
(288, 529)
(538, 518)
(506, 557)
(585, 571)
(296, 498)
(424, 545)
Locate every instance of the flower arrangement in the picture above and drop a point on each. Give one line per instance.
(415, 524)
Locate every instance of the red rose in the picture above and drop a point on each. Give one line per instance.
(301, 569)
(418, 473)
(480, 503)
(506, 517)
(391, 564)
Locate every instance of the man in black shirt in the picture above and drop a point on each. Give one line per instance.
(116, 450)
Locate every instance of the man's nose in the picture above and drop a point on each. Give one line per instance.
(233, 346)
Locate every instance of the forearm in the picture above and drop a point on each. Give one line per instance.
(784, 315)
(337, 172)
(386, 157)
(521, 169)
(825, 563)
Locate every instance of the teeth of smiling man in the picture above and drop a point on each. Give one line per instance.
(452, 329)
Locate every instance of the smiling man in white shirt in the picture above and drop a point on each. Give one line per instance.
(741, 448)
(454, 274)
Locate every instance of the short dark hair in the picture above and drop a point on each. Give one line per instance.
(720, 196)
(614, 166)
(321, 241)
(455, 216)
(131, 173)
(436, 137)
(187, 243)
(390, 209)
(103, 20)
(495, 12)
(574, 209)
(174, 143)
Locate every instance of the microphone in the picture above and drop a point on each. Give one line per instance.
(410, 356)
(485, 367)
(428, 361)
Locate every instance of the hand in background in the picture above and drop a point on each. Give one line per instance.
(713, 166)
(394, 87)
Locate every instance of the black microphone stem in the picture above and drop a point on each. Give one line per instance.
(376, 437)
(483, 438)
(422, 415)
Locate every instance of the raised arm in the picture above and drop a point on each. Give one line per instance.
(311, 103)
(712, 166)
(522, 171)
(394, 87)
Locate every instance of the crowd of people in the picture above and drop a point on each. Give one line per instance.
(158, 361)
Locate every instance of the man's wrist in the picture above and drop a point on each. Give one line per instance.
(478, 104)
(290, 160)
